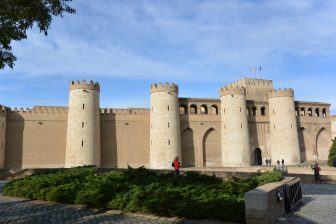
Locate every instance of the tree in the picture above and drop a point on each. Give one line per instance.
(332, 153)
(17, 16)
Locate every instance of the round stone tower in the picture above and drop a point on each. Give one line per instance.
(284, 140)
(234, 126)
(3, 119)
(165, 139)
(83, 133)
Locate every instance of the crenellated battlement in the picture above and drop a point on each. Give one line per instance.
(232, 90)
(250, 82)
(3, 110)
(286, 92)
(163, 88)
(124, 112)
(39, 110)
(84, 85)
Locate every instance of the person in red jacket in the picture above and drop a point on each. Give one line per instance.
(177, 165)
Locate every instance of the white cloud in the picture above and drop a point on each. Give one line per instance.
(178, 41)
(194, 41)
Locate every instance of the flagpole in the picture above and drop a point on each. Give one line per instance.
(260, 72)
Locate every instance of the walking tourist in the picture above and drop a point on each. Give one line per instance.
(317, 170)
(282, 162)
(270, 161)
(266, 162)
(177, 166)
(278, 163)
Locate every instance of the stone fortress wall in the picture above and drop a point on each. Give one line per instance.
(192, 128)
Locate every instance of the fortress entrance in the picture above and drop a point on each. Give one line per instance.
(257, 157)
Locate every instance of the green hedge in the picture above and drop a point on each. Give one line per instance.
(332, 153)
(191, 195)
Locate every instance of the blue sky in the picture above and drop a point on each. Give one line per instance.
(200, 45)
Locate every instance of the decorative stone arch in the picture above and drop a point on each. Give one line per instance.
(203, 109)
(310, 112)
(324, 112)
(212, 155)
(183, 109)
(302, 112)
(296, 111)
(188, 148)
(193, 109)
(248, 111)
(305, 144)
(322, 144)
(254, 111)
(257, 157)
(214, 109)
(263, 111)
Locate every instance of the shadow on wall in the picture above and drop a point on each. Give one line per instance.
(187, 141)
(302, 134)
(302, 143)
(256, 153)
(14, 141)
(108, 142)
(323, 143)
(212, 154)
(188, 149)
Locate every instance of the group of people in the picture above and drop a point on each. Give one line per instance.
(315, 167)
(269, 162)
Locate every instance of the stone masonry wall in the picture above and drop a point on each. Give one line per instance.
(36, 138)
(3, 121)
(124, 138)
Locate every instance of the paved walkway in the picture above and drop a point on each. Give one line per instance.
(319, 205)
(24, 211)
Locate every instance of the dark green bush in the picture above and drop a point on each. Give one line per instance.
(191, 195)
(332, 153)
(267, 177)
(63, 193)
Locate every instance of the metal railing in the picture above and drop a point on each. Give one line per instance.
(293, 194)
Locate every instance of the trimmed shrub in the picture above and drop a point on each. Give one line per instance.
(332, 153)
(267, 177)
(191, 195)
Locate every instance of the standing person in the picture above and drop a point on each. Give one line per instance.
(270, 161)
(317, 170)
(177, 165)
(266, 162)
(278, 163)
(282, 162)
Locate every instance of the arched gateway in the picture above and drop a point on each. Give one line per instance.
(257, 157)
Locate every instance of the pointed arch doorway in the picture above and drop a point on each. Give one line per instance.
(322, 144)
(212, 155)
(257, 157)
